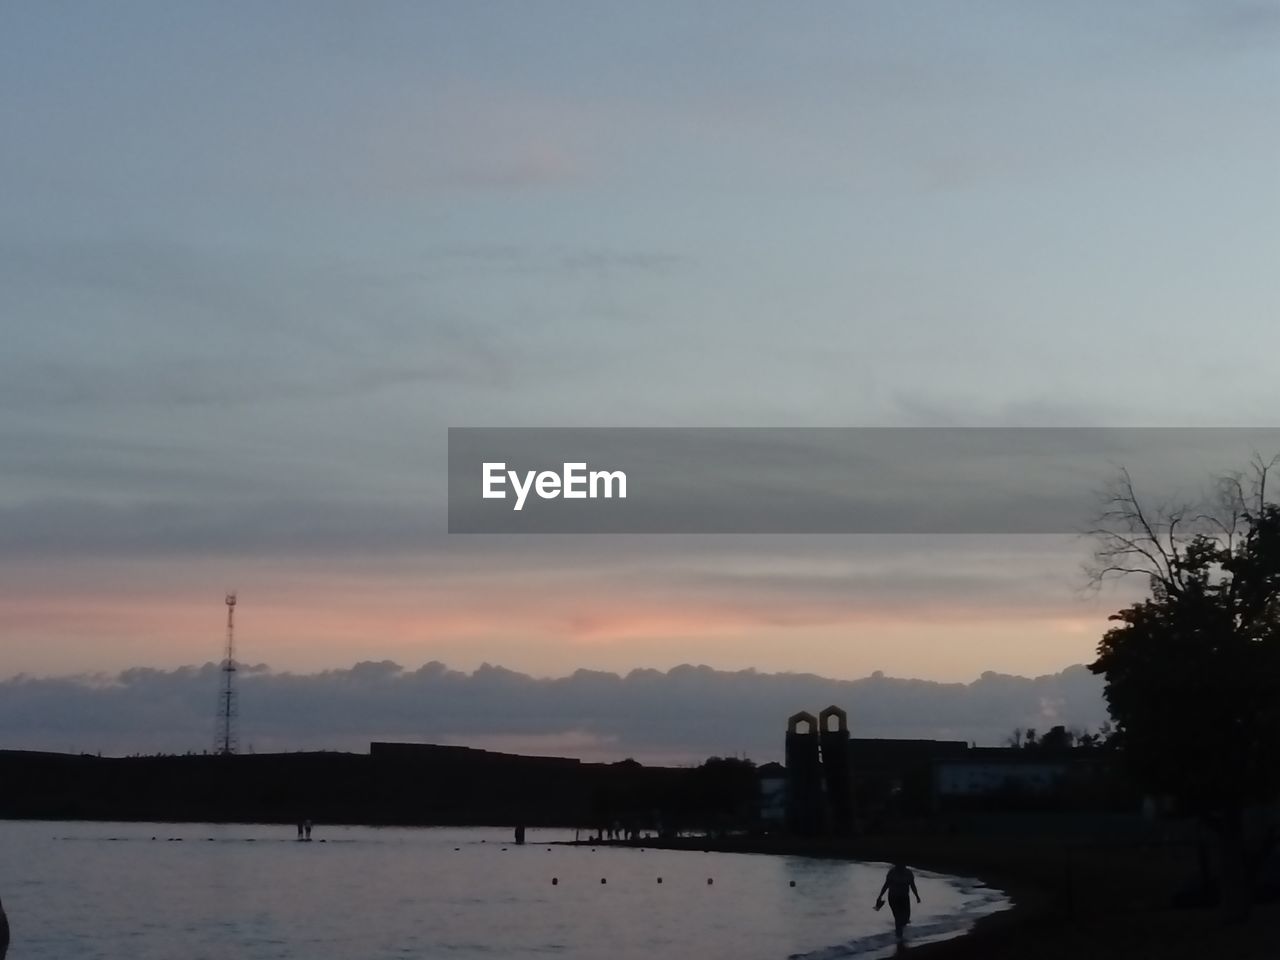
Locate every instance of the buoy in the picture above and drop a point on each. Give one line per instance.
(793, 883)
(603, 880)
(708, 881)
(554, 881)
(659, 879)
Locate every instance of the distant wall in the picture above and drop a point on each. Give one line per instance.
(958, 778)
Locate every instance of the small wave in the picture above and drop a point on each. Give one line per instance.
(984, 901)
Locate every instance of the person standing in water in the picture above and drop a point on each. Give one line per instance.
(899, 882)
(4, 933)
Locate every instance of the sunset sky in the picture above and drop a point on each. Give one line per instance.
(256, 259)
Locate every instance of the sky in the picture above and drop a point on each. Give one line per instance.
(255, 260)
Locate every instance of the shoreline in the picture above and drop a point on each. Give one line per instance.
(1027, 903)
(1070, 900)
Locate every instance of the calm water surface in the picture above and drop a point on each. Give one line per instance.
(76, 891)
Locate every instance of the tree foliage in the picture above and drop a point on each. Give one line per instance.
(1060, 739)
(1192, 670)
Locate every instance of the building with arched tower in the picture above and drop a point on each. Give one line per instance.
(805, 813)
(837, 773)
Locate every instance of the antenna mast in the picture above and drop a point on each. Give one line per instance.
(226, 739)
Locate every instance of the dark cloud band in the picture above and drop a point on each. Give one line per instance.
(687, 713)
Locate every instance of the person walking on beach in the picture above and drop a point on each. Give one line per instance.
(899, 882)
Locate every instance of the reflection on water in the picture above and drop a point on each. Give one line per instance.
(158, 891)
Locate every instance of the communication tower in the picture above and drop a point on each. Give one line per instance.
(226, 739)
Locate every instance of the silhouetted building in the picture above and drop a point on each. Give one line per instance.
(894, 777)
(772, 780)
(837, 784)
(837, 773)
(804, 776)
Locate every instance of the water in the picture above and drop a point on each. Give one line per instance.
(76, 891)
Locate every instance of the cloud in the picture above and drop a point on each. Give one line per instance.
(155, 323)
(212, 527)
(532, 164)
(683, 714)
(550, 258)
(1239, 22)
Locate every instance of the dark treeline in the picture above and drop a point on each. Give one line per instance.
(394, 784)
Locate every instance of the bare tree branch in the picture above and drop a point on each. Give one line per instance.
(1153, 541)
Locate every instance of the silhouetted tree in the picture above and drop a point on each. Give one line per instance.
(1193, 670)
(721, 791)
(1057, 740)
